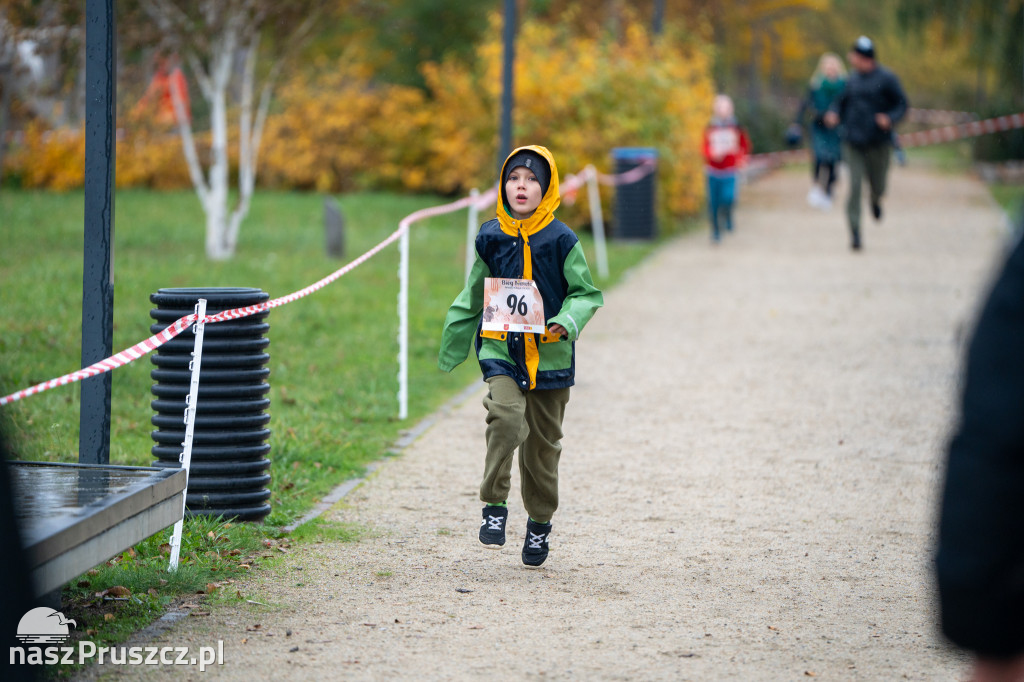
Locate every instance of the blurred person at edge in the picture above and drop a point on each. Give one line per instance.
(827, 81)
(868, 107)
(16, 597)
(979, 562)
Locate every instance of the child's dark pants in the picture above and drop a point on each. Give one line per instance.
(532, 422)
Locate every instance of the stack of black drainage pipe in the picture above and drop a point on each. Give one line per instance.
(229, 468)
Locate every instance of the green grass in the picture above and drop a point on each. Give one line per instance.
(119, 597)
(1010, 197)
(333, 359)
(952, 157)
(333, 354)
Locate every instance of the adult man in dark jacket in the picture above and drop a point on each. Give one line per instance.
(868, 108)
(980, 558)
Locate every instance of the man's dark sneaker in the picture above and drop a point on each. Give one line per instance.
(535, 547)
(855, 241)
(876, 210)
(492, 526)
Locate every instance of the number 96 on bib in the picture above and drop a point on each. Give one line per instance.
(512, 305)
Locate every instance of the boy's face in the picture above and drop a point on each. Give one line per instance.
(523, 191)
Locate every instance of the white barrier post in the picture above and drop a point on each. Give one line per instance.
(471, 228)
(597, 222)
(190, 425)
(403, 324)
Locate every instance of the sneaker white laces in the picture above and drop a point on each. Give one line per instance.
(495, 522)
(536, 539)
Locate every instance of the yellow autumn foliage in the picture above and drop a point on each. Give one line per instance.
(339, 130)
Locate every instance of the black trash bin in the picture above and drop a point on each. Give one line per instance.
(229, 471)
(635, 208)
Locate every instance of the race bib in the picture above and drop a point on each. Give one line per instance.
(512, 305)
(723, 141)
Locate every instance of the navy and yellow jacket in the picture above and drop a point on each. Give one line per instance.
(545, 250)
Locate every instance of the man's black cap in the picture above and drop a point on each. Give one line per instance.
(864, 47)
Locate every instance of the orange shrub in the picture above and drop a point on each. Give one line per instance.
(52, 159)
(581, 97)
(339, 131)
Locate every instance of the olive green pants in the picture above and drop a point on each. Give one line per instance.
(532, 422)
(872, 162)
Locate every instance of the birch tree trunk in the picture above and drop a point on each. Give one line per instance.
(232, 26)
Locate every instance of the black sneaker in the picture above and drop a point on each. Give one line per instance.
(855, 241)
(535, 548)
(876, 210)
(492, 526)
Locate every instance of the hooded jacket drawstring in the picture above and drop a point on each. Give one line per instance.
(535, 361)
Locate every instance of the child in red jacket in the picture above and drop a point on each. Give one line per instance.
(726, 146)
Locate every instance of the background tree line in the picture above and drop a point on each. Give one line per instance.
(402, 88)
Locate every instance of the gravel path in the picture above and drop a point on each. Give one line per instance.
(748, 478)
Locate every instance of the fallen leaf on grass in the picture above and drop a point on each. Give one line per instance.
(83, 583)
(153, 592)
(108, 617)
(245, 566)
(165, 548)
(115, 591)
(199, 613)
(162, 582)
(254, 628)
(92, 571)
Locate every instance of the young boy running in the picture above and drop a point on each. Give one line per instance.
(528, 297)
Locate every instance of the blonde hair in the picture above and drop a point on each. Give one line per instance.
(818, 77)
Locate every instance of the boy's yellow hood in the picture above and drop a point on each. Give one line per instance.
(545, 213)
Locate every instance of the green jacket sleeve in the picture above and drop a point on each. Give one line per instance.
(463, 315)
(583, 298)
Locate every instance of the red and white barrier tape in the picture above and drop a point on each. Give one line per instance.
(936, 117)
(964, 130)
(140, 349)
(642, 170)
(107, 364)
(939, 116)
(919, 139)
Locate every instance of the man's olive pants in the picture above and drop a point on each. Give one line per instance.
(872, 162)
(532, 422)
